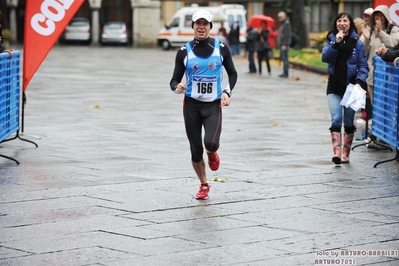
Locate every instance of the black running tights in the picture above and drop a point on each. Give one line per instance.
(199, 114)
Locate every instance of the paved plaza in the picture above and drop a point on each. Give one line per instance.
(111, 181)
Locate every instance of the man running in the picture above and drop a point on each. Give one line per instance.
(203, 59)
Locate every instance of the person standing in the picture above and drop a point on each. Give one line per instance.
(366, 16)
(347, 63)
(2, 48)
(381, 33)
(360, 25)
(263, 47)
(388, 54)
(1, 29)
(284, 41)
(222, 34)
(252, 36)
(234, 39)
(203, 59)
(272, 41)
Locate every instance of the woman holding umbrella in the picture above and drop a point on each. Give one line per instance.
(263, 47)
(256, 20)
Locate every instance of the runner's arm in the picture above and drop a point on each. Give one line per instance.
(229, 66)
(179, 70)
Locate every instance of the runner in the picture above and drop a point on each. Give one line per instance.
(203, 59)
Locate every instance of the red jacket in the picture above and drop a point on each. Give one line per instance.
(272, 37)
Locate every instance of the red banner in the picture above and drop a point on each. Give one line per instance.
(393, 8)
(45, 20)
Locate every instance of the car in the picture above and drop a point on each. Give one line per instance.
(114, 32)
(78, 30)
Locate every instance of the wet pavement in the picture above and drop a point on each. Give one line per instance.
(111, 181)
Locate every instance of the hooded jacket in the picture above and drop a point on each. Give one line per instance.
(377, 38)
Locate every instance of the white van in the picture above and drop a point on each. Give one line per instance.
(178, 30)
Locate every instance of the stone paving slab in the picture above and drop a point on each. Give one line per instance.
(111, 182)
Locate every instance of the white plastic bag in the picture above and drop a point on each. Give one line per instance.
(354, 97)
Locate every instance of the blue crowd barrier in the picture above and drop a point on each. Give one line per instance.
(9, 93)
(386, 104)
(10, 98)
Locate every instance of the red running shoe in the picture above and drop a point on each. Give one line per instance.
(213, 160)
(203, 192)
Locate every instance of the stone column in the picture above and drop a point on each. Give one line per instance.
(95, 6)
(146, 22)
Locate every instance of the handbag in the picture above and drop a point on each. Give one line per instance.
(265, 43)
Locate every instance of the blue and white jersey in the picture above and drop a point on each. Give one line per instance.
(204, 75)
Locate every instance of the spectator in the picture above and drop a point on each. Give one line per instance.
(234, 39)
(284, 41)
(222, 33)
(374, 38)
(388, 54)
(1, 30)
(360, 24)
(347, 63)
(1, 45)
(272, 41)
(366, 16)
(1, 36)
(381, 32)
(263, 47)
(252, 36)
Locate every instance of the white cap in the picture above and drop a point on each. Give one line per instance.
(202, 14)
(368, 11)
(281, 14)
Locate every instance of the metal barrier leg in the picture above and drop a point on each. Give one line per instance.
(389, 160)
(17, 136)
(12, 159)
(34, 143)
(373, 140)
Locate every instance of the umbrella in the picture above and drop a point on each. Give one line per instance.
(256, 20)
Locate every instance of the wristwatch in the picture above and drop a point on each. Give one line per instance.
(228, 92)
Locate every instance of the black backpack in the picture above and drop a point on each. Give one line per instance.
(390, 28)
(294, 40)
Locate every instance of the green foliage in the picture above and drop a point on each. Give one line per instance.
(320, 40)
(7, 36)
(308, 57)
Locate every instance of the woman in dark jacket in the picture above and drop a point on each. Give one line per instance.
(263, 47)
(347, 63)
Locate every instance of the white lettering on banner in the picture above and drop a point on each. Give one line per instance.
(392, 12)
(48, 16)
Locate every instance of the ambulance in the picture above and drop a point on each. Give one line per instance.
(178, 30)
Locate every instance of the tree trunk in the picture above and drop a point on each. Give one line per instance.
(298, 23)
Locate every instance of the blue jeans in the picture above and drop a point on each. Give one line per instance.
(235, 49)
(334, 103)
(252, 67)
(284, 57)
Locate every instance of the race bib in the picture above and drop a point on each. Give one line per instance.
(204, 88)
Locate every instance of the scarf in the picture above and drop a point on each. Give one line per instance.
(338, 81)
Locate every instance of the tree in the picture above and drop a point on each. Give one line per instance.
(298, 22)
(296, 10)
